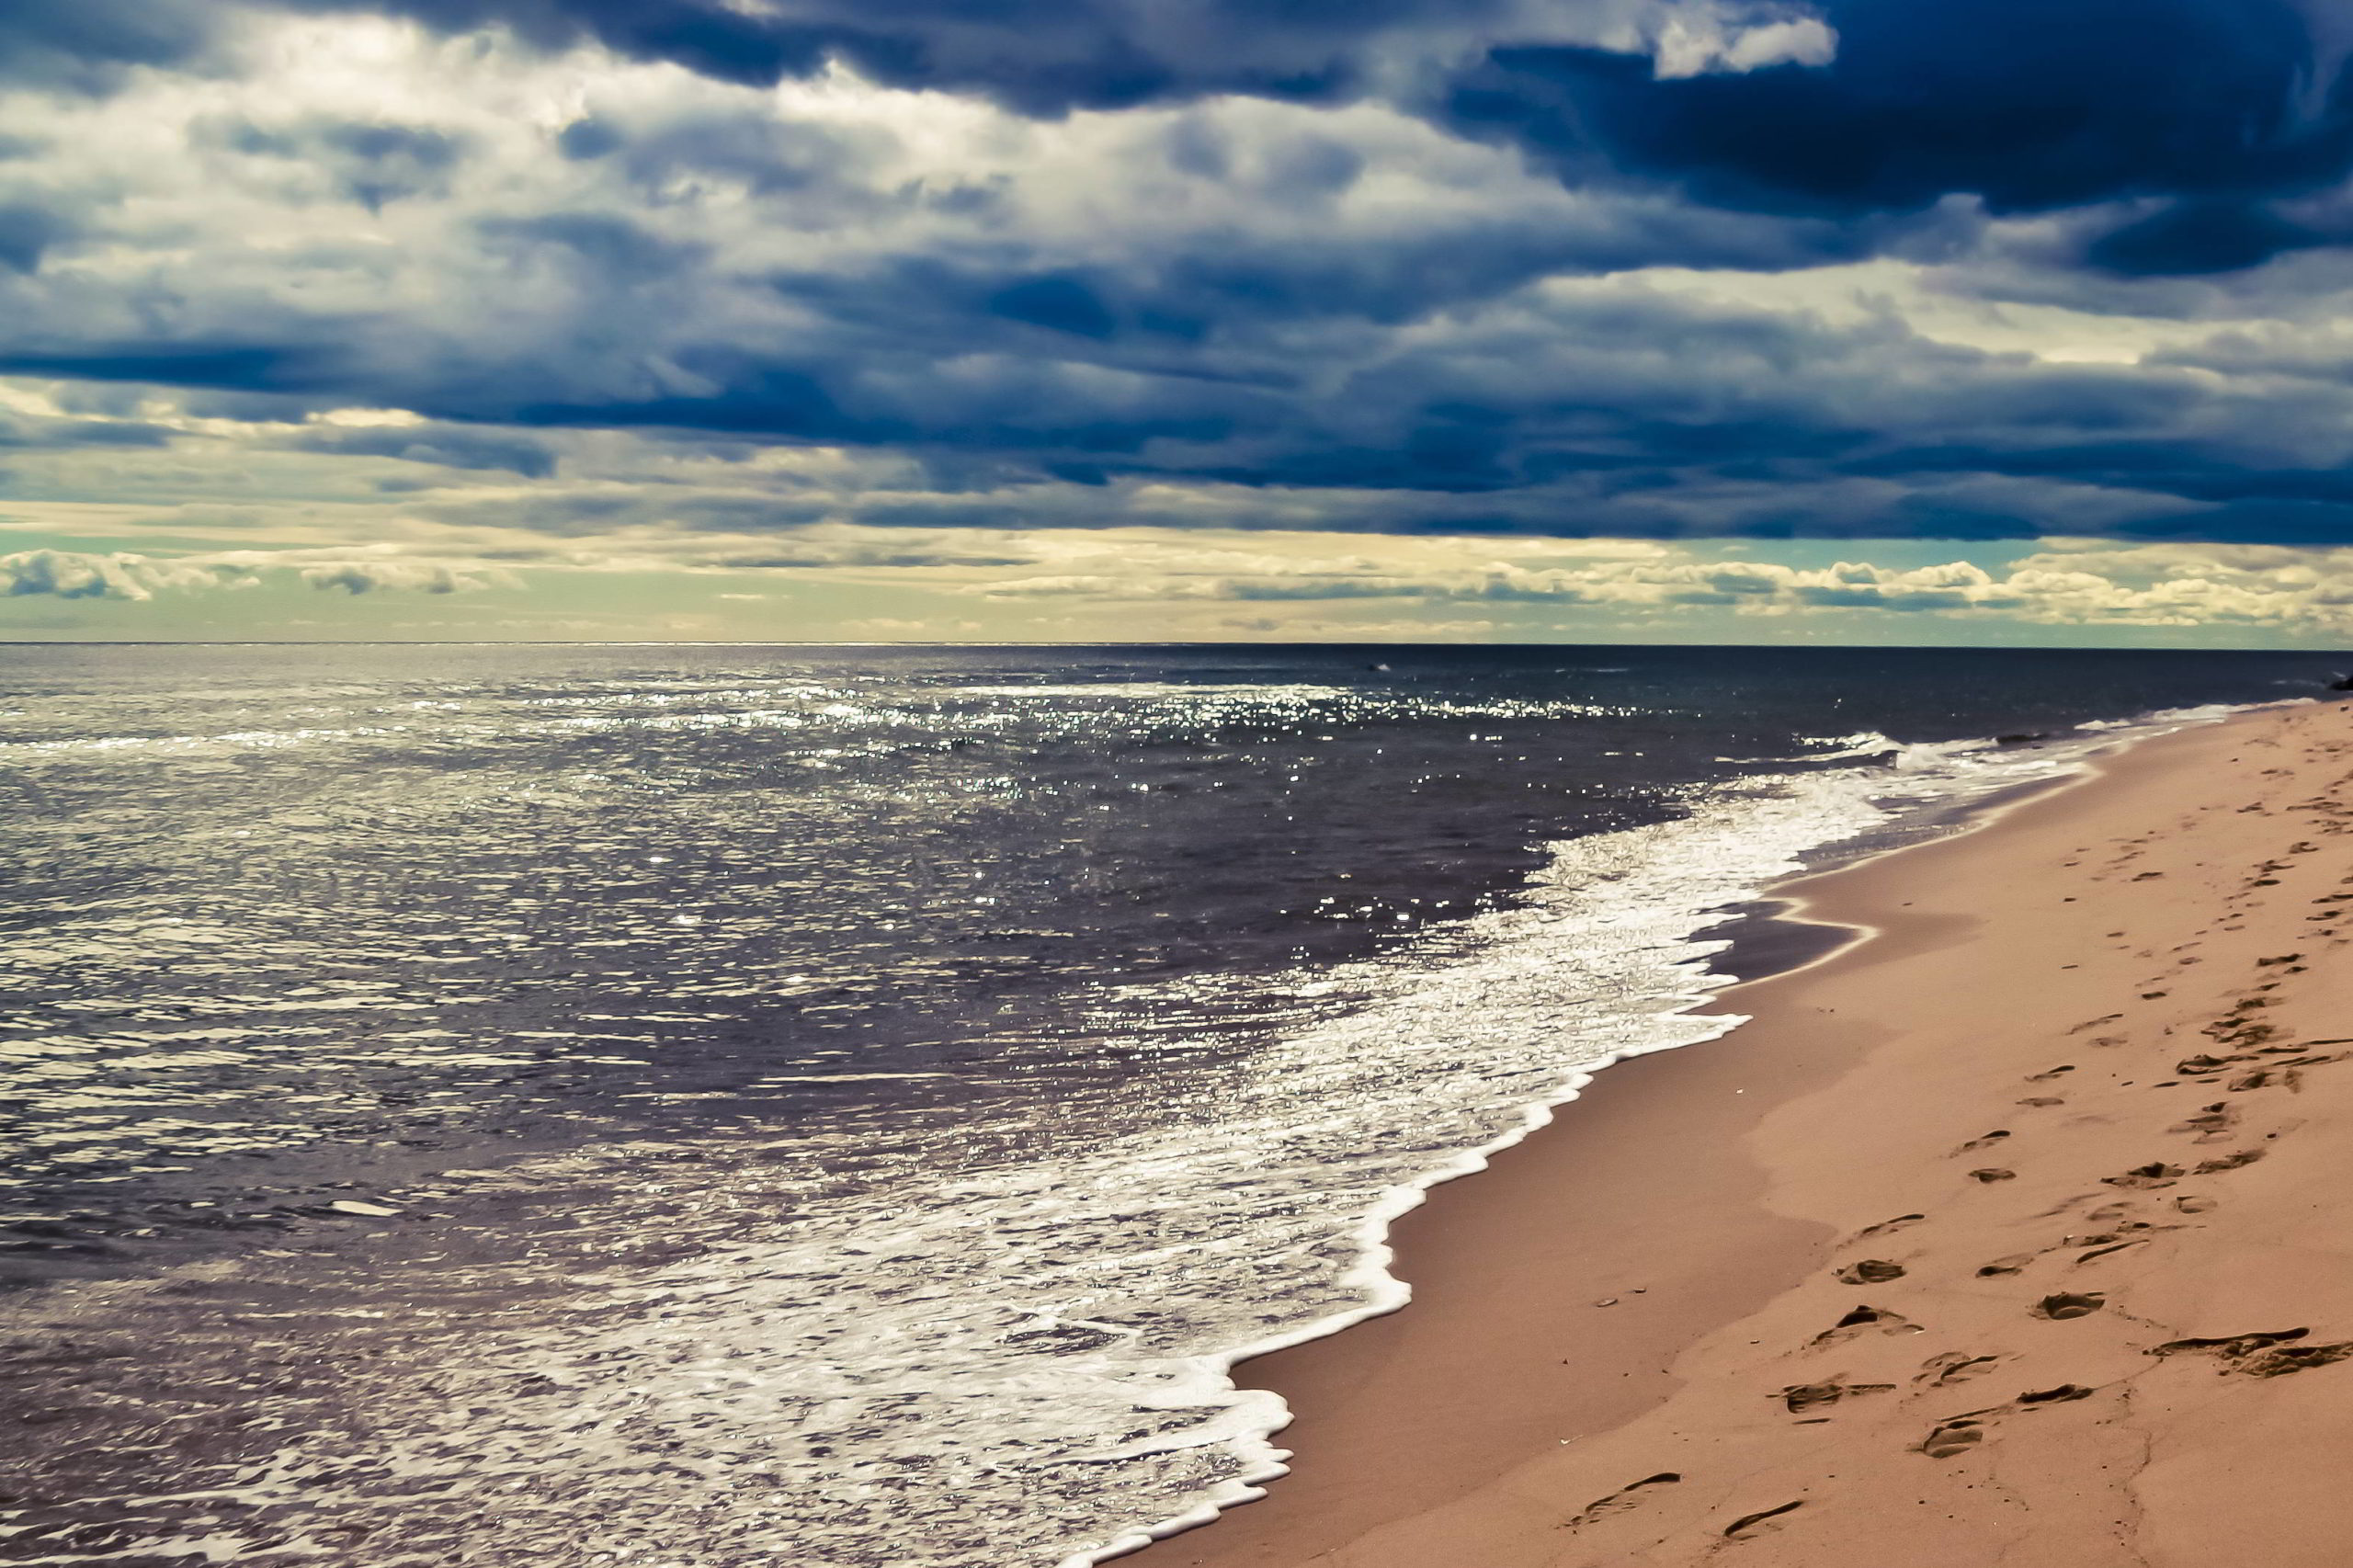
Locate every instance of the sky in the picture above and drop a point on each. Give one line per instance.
(2004, 322)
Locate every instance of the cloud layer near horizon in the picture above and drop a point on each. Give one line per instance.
(1228, 585)
(1654, 269)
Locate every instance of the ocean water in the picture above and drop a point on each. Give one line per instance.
(700, 1107)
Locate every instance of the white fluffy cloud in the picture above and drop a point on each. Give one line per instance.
(80, 574)
(1711, 35)
(2304, 591)
(373, 576)
(122, 575)
(1214, 582)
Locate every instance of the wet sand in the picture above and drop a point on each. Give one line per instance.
(2017, 1234)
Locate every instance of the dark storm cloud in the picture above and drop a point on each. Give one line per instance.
(2030, 105)
(231, 366)
(28, 230)
(2201, 236)
(1618, 412)
(2249, 522)
(609, 254)
(87, 45)
(767, 157)
(1217, 300)
(52, 433)
(445, 445)
(1037, 56)
(371, 163)
(2170, 468)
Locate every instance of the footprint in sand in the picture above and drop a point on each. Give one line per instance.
(1625, 1497)
(1952, 1437)
(1803, 1397)
(2288, 1074)
(2205, 1066)
(1870, 1271)
(1954, 1367)
(1986, 1141)
(1863, 1319)
(1747, 1521)
(2155, 1173)
(1886, 1225)
(1993, 1173)
(2270, 1355)
(2292, 1358)
(1959, 1434)
(2066, 1304)
(2211, 1123)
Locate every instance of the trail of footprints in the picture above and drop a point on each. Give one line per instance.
(2245, 1057)
(2244, 1061)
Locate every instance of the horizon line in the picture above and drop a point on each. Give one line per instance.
(2343, 650)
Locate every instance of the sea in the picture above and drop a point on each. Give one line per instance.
(700, 1107)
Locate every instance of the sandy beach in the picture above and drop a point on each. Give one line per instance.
(2011, 1235)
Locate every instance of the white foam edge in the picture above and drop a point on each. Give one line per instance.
(1385, 1293)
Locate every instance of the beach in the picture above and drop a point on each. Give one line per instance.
(2009, 1234)
(570, 1106)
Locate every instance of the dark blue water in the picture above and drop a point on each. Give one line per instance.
(940, 1042)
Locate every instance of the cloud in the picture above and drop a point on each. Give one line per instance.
(2201, 236)
(1703, 40)
(81, 574)
(88, 46)
(28, 230)
(1048, 57)
(357, 578)
(2026, 108)
(371, 163)
(2299, 591)
(1214, 582)
(74, 574)
(447, 445)
(68, 433)
(1403, 268)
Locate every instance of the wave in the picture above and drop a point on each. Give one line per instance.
(2179, 717)
(1154, 690)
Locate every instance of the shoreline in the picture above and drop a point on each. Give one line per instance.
(1771, 922)
(1485, 1423)
(1767, 922)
